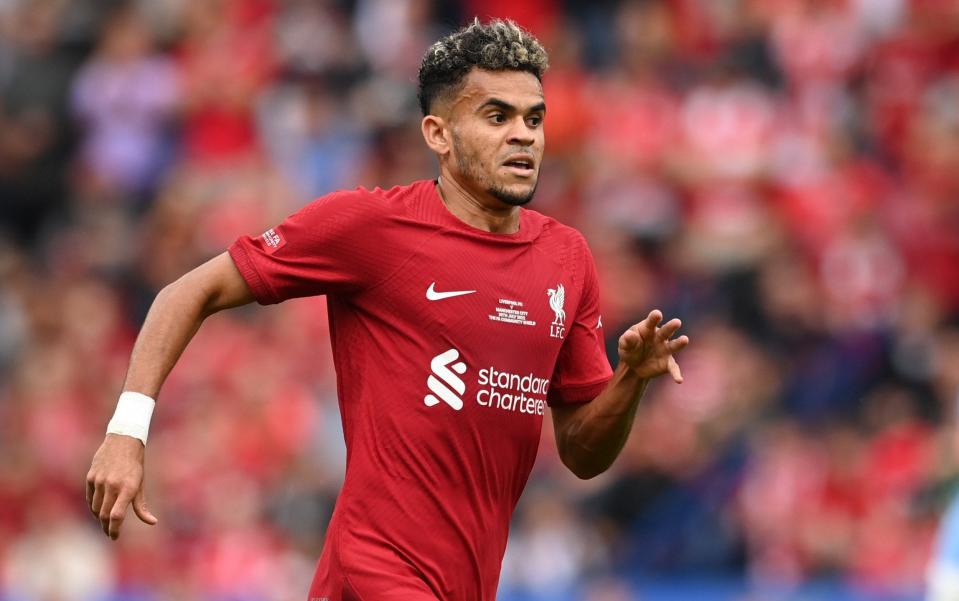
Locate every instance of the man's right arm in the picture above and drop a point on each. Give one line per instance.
(115, 478)
(175, 317)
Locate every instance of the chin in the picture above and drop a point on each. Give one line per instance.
(514, 195)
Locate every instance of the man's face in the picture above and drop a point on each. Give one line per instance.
(497, 135)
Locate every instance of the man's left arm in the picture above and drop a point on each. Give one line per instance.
(591, 435)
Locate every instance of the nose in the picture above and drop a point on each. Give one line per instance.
(520, 133)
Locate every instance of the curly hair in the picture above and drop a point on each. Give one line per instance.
(500, 45)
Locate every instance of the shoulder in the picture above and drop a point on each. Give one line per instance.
(564, 243)
(362, 205)
(554, 230)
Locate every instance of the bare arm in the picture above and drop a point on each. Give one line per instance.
(590, 436)
(115, 477)
(176, 315)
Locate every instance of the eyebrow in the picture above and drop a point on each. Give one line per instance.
(509, 108)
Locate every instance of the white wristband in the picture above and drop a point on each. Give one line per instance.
(132, 417)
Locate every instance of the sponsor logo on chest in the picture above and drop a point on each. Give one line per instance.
(494, 388)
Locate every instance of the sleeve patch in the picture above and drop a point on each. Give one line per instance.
(273, 240)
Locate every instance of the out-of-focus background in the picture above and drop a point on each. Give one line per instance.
(781, 174)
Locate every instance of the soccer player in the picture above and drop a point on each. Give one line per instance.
(456, 316)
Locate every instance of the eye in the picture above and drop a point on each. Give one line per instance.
(497, 118)
(535, 120)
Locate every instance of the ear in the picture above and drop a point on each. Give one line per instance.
(436, 133)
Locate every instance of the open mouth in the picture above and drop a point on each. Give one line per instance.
(522, 165)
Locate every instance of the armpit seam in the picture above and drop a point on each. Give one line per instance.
(250, 267)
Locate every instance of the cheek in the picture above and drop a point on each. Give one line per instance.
(486, 145)
(483, 151)
(480, 145)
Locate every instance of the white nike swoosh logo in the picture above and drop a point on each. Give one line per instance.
(432, 294)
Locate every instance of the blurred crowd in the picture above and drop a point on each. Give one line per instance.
(783, 175)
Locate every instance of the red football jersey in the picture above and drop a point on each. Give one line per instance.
(448, 342)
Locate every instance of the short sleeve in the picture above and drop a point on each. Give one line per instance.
(331, 246)
(582, 369)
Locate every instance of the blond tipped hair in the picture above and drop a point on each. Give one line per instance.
(500, 45)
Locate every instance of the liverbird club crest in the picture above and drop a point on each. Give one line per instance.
(557, 297)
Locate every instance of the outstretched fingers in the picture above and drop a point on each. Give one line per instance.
(108, 500)
(678, 344)
(674, 370)
(671, 327)
(140, 508)
(91, 489)
(648, 347)
(672, 347)
(118, 512)
(96, 497)
(647, 327)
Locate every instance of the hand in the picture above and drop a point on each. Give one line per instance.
(648, 350)
(114, 480)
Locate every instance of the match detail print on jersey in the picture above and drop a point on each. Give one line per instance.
(511, 311)
(433, 295)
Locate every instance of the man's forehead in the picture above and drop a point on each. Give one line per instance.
(518, 88)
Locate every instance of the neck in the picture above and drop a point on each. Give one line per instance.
(470, 209)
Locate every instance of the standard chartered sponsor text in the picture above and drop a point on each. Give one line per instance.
(512, 392)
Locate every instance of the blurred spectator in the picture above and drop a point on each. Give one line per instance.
(124, 97)
(317, 144)
(55, 544)
(226, 57)
(35, 143)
